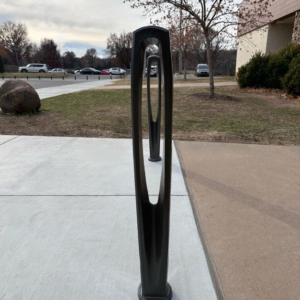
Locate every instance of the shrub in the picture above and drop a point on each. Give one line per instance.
(290, 51)
(255, 72)
(278, 66)
(268, 71)
(242, 76)
(291, 81)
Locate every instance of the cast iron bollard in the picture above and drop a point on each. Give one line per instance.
(154, 126)
(153, 220)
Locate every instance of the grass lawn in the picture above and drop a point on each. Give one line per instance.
(235, 116)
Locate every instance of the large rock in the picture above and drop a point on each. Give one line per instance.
(17, 96)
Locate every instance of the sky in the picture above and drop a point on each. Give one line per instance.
(74, 25)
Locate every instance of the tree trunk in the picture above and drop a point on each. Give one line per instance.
(210, 67)
(184, 66)
(17, 61)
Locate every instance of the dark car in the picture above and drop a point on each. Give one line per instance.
(90, 71)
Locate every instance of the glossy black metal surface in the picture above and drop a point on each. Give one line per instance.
(154, 126)
(153, 220)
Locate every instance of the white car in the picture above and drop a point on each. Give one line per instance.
(77, 72)
(34, 68)
(153, 71)
(57, 70)
(117, 71)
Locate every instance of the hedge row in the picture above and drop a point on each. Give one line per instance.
(279, 70)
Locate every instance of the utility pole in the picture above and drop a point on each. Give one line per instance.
(180, 33)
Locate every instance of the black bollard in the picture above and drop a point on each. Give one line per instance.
(63, 78)
(153, 220)
(75, 77)
(2, 77)
(87, 77)
(98, 77)
(15, 77)
(51, 77)
(27, 77)
(39, 77)
(154, 126)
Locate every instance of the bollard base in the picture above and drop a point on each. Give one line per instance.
(167, 297)
(154, 159)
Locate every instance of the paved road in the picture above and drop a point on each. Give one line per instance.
(56, 82)
(50, 88)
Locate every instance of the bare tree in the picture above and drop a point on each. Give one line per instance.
(90, 58)
(69, 59)
(199, 47)
(50, 54)
(119, 48)
(219, 16)
(183, 36)
(36, 53)
(14, 37)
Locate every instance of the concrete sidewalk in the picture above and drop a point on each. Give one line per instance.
(47, 88)
(68, 222)
(246, 200)
(71, 88)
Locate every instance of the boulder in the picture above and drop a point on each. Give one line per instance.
(17, 96)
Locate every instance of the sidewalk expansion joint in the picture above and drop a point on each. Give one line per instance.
(9, 140)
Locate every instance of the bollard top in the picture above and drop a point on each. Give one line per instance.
(152, 27)
(151, 35)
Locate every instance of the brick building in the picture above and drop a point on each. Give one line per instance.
(283, 28)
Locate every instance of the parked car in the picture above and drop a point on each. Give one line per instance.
(91, 71)
(105, 72)
(57, 70)
(34, 68)
(153, 71)
(77, 72)
(69, 71)
(117, 71)
(202, 70)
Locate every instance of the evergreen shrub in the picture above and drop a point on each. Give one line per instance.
(291, 80)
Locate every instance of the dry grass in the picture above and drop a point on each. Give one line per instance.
(126, 81)
(34, 75)
(234, 116)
